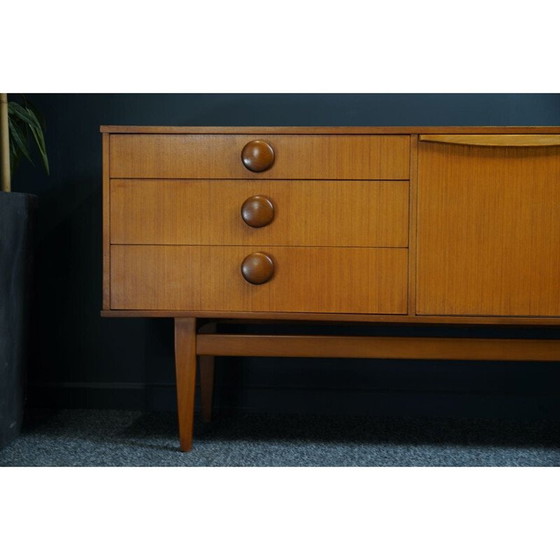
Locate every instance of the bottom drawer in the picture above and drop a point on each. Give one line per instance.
(304, 279)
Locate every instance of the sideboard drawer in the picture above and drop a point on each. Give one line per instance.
(228, 156)
(241, 212)
(314, 279)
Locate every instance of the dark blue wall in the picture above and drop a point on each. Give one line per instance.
(81, 360)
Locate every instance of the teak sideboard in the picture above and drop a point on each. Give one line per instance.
(402, 225)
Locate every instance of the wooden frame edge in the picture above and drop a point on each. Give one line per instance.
(106, 138)
(412, 221)
(124, 129)
(340, 317)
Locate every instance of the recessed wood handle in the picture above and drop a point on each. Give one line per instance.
(257, 268)
(257, 211)
(257, 156)
(503, 140)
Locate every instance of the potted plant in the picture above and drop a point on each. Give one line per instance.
(20, 128)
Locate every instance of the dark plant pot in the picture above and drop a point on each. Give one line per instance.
(17, 226)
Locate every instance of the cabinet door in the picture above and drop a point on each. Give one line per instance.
(489, 226)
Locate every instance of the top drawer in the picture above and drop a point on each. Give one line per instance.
(286, 156)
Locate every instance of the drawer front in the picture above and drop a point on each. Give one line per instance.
(222, 156)
(295, 213)
(315, 280)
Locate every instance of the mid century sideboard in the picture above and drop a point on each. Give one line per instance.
(402, 225)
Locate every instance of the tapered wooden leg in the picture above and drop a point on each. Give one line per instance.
(206, 369)
(185, 368)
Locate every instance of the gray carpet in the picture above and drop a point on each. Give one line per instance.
(126, 438)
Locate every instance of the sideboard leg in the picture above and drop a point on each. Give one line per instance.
(185, 368)
(206, 368)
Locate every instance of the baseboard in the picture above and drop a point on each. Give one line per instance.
(297, 400)
(102, 395)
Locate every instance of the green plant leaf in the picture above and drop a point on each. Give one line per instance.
(17, 110)
(37, 113)
(14, 156)
(19, 139)
(25, 120)
(37, 132)
(25, 114)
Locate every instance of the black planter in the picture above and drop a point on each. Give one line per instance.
(17, 225)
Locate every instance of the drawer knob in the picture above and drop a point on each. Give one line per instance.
(257, 156)
(257, 211)
(257, 268)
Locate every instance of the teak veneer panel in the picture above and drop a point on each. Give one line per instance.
(488, 230)
(201, 278)
(192, 156)
(208, 212)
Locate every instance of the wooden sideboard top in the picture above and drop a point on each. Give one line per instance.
(329, 129)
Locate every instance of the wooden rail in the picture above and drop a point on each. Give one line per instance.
(421, 348)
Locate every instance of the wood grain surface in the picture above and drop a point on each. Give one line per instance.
(412, 223)
(314, 279)
(381, 347)
(488, 230)
(409, 319)
(184, 156)
(208, 212)
(185, 367)
(106, 205)
(511, 140)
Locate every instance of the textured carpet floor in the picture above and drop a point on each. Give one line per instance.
(125, 438)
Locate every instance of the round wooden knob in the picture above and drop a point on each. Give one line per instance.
(257, 156)
(257, 211)
(257, 268)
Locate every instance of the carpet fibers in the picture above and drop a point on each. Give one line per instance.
(128, 439)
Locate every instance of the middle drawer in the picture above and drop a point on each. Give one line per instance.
(245, 212)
